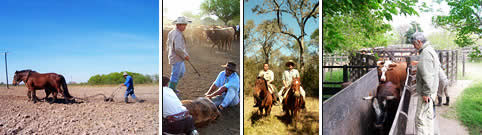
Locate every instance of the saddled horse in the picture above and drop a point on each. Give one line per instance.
(262, 96)
(293, 101)
(51, 82)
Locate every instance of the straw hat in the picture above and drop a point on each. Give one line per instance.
(290, 62)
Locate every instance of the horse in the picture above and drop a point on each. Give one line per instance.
(293, 101)
(51, 82)
(262, 96)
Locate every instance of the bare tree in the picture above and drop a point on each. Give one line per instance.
(300, 10)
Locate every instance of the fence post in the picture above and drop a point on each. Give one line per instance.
(447, 71)
(345, 73)
(463, 63)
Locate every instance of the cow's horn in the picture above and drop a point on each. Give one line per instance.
(368, 98)
(390, 97)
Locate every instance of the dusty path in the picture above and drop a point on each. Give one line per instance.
(448, 122)
(208, 62)
(19, 116)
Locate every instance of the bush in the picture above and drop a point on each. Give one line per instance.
(476, 55)
(117, 78)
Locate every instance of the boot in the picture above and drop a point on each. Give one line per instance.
(275, 99)
(256, 104)
(439, 101)
(173, 86)
(448, 100)
(126, 100)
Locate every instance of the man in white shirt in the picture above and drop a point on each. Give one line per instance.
(175, 117)
(288, 76)
(268, 75)
(177, 51)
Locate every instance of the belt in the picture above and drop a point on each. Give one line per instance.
(178, 116)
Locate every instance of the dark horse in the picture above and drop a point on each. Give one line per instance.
(262, 96)
(51, 82)
(293, 100)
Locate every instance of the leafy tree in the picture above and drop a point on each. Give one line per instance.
(414, 27)
(300, 10)
(353, 24)
(464, 19)
(225, 10)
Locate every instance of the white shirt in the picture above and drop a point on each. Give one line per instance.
(170, 103)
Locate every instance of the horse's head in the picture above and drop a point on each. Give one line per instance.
(21, 76)
(260, 84)
(295, 85)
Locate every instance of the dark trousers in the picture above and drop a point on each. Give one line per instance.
(185, 126)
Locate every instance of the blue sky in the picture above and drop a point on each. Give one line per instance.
(79, 38)
(311, 26)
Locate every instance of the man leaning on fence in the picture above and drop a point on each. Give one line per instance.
(427, 84)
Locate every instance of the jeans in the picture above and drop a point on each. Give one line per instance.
(130, 92)
(229, 98)
(178, 70)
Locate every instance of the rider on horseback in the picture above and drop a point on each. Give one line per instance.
(268, 75)
(288, 76)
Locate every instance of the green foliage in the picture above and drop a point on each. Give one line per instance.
(469, 106)
(442, 40)
(118, 78)
(415, 27)
(475, 55)
(354, 24)
(225, 10)
(464, 19)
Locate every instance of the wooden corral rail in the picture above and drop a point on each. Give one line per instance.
(345, 113)
(334, 90)
(360, 59)
(333, 59)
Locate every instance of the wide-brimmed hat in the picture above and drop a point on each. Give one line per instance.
(125, 73)
(182, 20)
(290, 62)
(230, 66)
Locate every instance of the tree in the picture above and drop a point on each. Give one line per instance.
(402, 30)
(247, 34)
(414, 27)
(463, 19)
(354, 24)
(300, 10)
(225, 10)
(268, 37)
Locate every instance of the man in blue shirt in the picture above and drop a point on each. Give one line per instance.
(130, 87)
(227, 85)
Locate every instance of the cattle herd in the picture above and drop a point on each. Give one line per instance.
(201, 35)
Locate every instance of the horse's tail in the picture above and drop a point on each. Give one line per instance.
(64, 87)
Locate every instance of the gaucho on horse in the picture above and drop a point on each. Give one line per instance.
(262, 96)
(51, 82)
(293, 102)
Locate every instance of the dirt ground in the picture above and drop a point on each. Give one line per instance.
(19, 116)
(277, 123)
(208, 62)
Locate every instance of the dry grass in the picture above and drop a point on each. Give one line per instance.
(277, 123)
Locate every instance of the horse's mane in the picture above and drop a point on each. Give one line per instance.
(27, 70)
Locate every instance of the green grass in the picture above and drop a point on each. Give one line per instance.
(336, 76)
(469, 108)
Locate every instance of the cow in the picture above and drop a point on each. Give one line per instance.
(203, 111)
(221, 37)
(385, 105)
(389, 71)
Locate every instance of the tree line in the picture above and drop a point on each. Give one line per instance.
(118, 78)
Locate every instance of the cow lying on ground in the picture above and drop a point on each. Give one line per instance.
(202, 110)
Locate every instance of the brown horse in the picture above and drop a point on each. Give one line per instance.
(262, 96)
(51, 82)
(293, 101)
